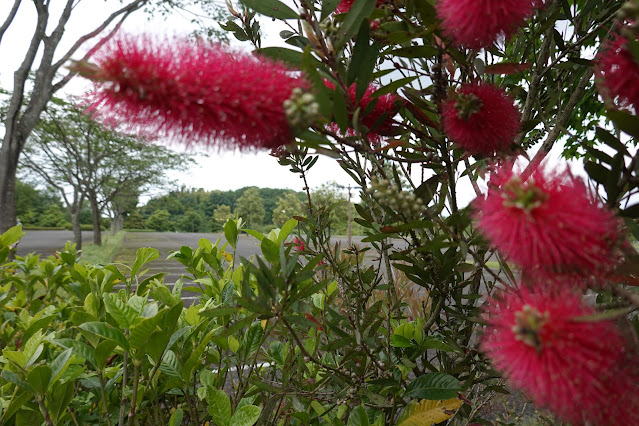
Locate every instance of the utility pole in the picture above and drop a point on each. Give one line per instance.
(350, 211)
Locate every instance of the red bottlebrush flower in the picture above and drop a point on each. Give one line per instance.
(578, 368)
(386, 106)
(299, 244)
(194, 92)
(548, 223)
(345, 5)
(617, 74)
(481, 118)
(479, 23)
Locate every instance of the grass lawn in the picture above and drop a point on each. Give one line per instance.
(105, 253)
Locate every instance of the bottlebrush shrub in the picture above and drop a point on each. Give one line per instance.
(578, 367)
(548, 222)
(481, 118)
(617, 73)
(193, 92)
(380, 119)
(479, 23)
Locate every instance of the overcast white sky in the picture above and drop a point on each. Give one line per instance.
(219, 170)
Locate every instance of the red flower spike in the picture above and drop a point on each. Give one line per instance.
(387, 105)
(617, 74)
(479, 23)
(578, 368)
(481, 118)
(548, 223)
(193, 92)
(345, 6)
(298, 243)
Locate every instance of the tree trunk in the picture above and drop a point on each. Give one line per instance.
(95, 213)
(77, 230)
(8, 166)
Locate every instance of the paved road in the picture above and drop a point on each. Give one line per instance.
(48, 242)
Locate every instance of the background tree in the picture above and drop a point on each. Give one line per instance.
(191, 221)
(83, 160)
(134, 221)
(160, 221)
(330, 198)
(221, 215)
(23, 112)
(250, 207)
(287, 207)
(32, 202)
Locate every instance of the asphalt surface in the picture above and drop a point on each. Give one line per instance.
(48, 242)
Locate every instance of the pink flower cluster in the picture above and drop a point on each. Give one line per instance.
(617, 74)
(379, 119)
(193, 92)
(481, 118)
(548, 223)
(541, 335)
(479, 23)
(544, 343)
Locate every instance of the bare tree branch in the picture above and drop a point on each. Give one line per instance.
(9, 20)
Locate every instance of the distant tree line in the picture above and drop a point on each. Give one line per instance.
(188, 209)
(197, 210)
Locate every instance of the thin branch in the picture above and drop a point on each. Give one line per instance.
(125, 12)
(12, 15)
(560, 123)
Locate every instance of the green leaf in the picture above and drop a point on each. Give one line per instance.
(289, 56)
(358, 417)
(398, 341)
(414, 52)
(435, 343)
(11, 236)
(328, 7)
(142, 331)
(434, 386)
(625, 122)
(78, 348)
(393, 86)
(16, 403)
(597, 172)
(219, 311)
(171, 365)
(103, 351)
(610, 140)
(12, 377)
(122, 313)
(106, 331)
(230, 232)
(60, 364)
(273, 8)
(270, 250)
(360, 10)
(39, 378)
(363, 59)
(59, 399)
(254, 233)
(194, 358)
(286, 229)
(176, 417)
(219, 406)
(143, 256)
(246, 416)
(253, 338)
